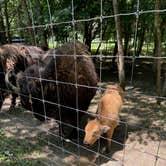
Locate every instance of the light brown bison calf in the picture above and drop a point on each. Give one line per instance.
(107, 116)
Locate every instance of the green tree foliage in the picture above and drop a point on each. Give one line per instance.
(39, 20)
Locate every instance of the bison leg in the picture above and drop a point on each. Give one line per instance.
(73, 134)
(14, 95)
(67, 131)
(25, 103)
(13, 102)
(109, 137)
(2, 98)
(38, 110)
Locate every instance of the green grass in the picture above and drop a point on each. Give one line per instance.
(108, 48)
(13, 151)
(52, 44)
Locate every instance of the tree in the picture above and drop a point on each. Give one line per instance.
(164, 87)
(120, 54)
(2, 28)
(29, 21)
(158, 49)
(42, 33)
(7, 22)
(86, 10)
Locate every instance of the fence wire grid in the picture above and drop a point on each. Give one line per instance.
(140, 137)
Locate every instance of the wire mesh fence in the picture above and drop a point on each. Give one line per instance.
(65, 86)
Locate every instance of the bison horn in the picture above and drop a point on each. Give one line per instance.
(14, 88)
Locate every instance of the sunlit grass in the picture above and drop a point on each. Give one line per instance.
(13, 151)
(107, 48)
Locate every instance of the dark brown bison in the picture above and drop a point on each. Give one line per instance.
(62, 85)
(15, 58)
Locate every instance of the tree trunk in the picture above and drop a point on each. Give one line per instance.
(2, 28)
(120, 54)
(164, 87)
(20, 23)
(7, 23)
(140, 41)
(103, 33)
(42, 32)
(114, 57)
(158, 50)
(88, 34)
(127, 39)
(29, 22)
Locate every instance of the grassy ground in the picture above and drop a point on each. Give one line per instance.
(18, 146)
(14, 151)
(108, 48)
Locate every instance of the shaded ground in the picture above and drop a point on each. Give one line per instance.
(26, 141)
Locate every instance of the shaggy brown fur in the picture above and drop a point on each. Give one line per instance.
(12, 54)
(16, 57)
(67, 70)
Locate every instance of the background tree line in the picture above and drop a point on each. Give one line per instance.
(32, 19)
(43, 22)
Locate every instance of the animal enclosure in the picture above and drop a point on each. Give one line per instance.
(54, 76)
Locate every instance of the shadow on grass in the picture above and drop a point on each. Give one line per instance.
(15, 151)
